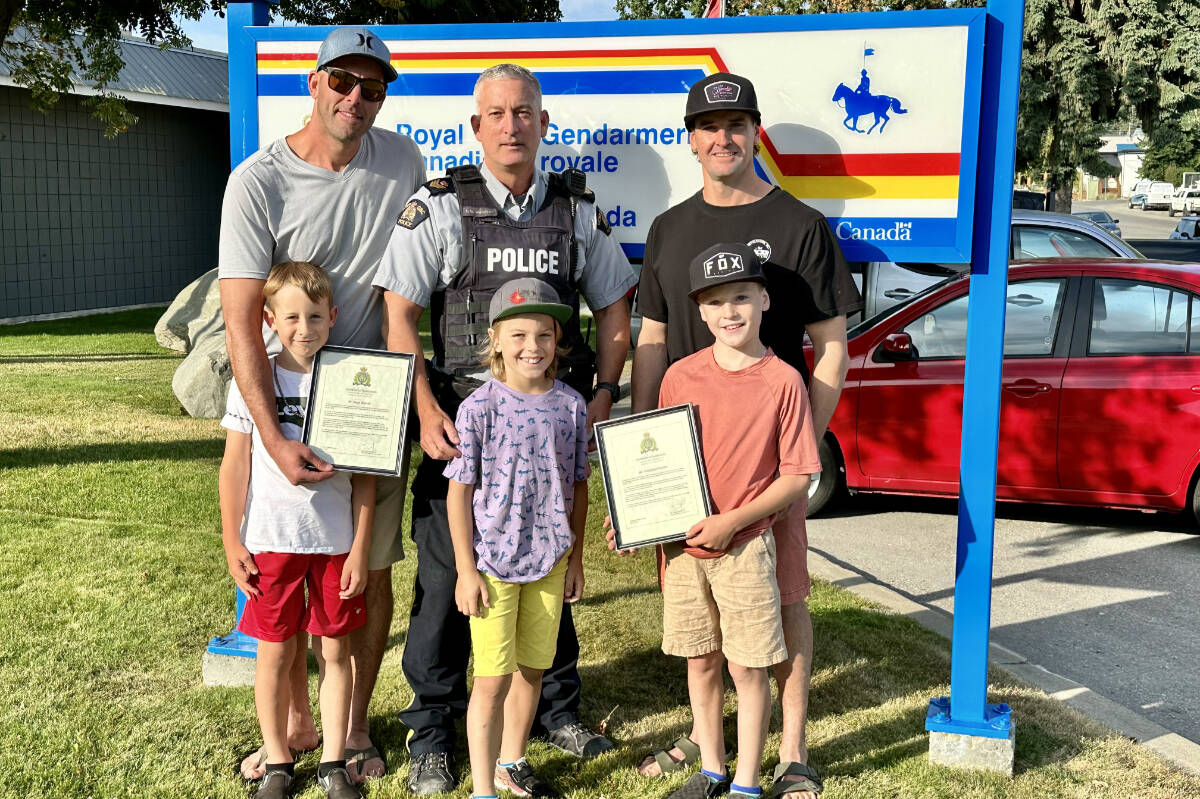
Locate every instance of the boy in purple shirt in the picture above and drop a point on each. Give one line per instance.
(517, 504)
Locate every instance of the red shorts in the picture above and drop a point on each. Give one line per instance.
(791, 553)
(281, 612)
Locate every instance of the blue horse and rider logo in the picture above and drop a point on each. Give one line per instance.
(859, 102)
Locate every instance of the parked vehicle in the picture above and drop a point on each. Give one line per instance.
(1035, 234)
(1101, 218)
(1158, 196)
(1101, 370)
(1137, 199)
(1188, 228)
(1184, 201)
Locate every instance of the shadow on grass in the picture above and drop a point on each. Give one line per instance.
(102, 358)
(185, 450)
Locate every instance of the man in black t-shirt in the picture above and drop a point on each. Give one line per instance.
(811, 289)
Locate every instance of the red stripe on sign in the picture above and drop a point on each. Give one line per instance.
(703, 52)
(796, 164)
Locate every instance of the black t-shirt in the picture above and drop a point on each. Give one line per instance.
(807, 276)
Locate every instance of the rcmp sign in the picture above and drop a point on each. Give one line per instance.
(880, 135)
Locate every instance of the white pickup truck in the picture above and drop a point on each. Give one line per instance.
(1158, 196)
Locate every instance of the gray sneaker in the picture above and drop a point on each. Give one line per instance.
(337, 785)
(430, 773)
(576, 739)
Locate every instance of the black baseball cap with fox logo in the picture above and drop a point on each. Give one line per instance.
(724, 263)
(723, 91)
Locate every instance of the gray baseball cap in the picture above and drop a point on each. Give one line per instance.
(724, 263)
(356, 41)
(527, 295)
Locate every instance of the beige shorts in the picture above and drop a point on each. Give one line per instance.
(730, 603)
(387, 544)
(791, 553)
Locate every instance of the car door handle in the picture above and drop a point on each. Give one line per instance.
(1027, 388)
(897, 294)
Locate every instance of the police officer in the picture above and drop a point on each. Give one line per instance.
(457, 240)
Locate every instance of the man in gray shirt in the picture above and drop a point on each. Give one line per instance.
(329, 194)
(458, 240)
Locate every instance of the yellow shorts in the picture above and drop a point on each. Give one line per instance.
(521, 626)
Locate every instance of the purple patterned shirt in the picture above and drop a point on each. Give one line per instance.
(523, 453)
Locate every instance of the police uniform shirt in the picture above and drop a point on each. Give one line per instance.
(425, 250)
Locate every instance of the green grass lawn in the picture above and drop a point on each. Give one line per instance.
(112, 581)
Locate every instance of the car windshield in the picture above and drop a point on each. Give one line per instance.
(870, 322)
(1095, 216)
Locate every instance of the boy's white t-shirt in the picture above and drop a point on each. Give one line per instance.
(314, 518)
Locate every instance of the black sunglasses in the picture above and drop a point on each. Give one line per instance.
(343, 82)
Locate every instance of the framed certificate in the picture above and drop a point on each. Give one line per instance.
(654, 476)
(358, 408)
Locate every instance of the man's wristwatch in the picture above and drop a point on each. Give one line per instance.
(611, 388)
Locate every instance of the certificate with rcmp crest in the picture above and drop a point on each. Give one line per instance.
(358, 408)
(654, 478)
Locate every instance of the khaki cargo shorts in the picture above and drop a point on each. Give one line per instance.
(730, 603)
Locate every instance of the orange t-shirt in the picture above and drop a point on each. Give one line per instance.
(755, 424)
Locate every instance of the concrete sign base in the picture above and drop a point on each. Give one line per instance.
(227, 670)
(973, 751)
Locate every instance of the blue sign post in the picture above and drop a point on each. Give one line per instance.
(966, 711)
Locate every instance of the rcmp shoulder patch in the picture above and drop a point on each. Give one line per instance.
(602, 223)
(440, 186)
(413, 214)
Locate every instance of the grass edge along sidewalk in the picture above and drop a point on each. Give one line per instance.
(112, 580)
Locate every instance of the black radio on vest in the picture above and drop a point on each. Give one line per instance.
(497, 250)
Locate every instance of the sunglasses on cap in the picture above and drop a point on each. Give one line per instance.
(343, 82)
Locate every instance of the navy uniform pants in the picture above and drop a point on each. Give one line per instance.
(439, 639)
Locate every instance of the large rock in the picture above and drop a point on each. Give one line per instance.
(194, 325)
(202, 380)
(194, 315)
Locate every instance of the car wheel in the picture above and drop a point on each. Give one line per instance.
(1143, 205)
(830, 484)
(1171, 211)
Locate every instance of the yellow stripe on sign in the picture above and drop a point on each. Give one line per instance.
(879, 187)
(270, 64)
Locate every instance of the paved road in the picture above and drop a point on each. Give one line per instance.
(1135, 224)
(1106, 598)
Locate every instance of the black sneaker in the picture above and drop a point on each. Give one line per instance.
(430, 773)
(576, 739)
(519, 780)
(337, 785)
(274, 785)
(701, 787)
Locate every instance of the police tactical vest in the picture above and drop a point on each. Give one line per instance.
(498, 250)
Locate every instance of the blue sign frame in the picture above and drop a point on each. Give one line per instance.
(986, 247)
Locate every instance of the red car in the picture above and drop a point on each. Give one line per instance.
(1100, 391)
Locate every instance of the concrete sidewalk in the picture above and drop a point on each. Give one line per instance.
(1120, 719)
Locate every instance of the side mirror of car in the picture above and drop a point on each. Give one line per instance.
(896, 347)
(1115, 220)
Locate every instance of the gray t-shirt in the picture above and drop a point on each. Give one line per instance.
(278, 207)
(425, 258)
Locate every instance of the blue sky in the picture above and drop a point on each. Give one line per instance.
(209, 32)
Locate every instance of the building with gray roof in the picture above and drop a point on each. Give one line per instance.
(89, 223)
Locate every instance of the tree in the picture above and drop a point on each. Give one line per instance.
(52, 43)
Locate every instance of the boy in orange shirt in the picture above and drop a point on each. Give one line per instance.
(720, 596)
